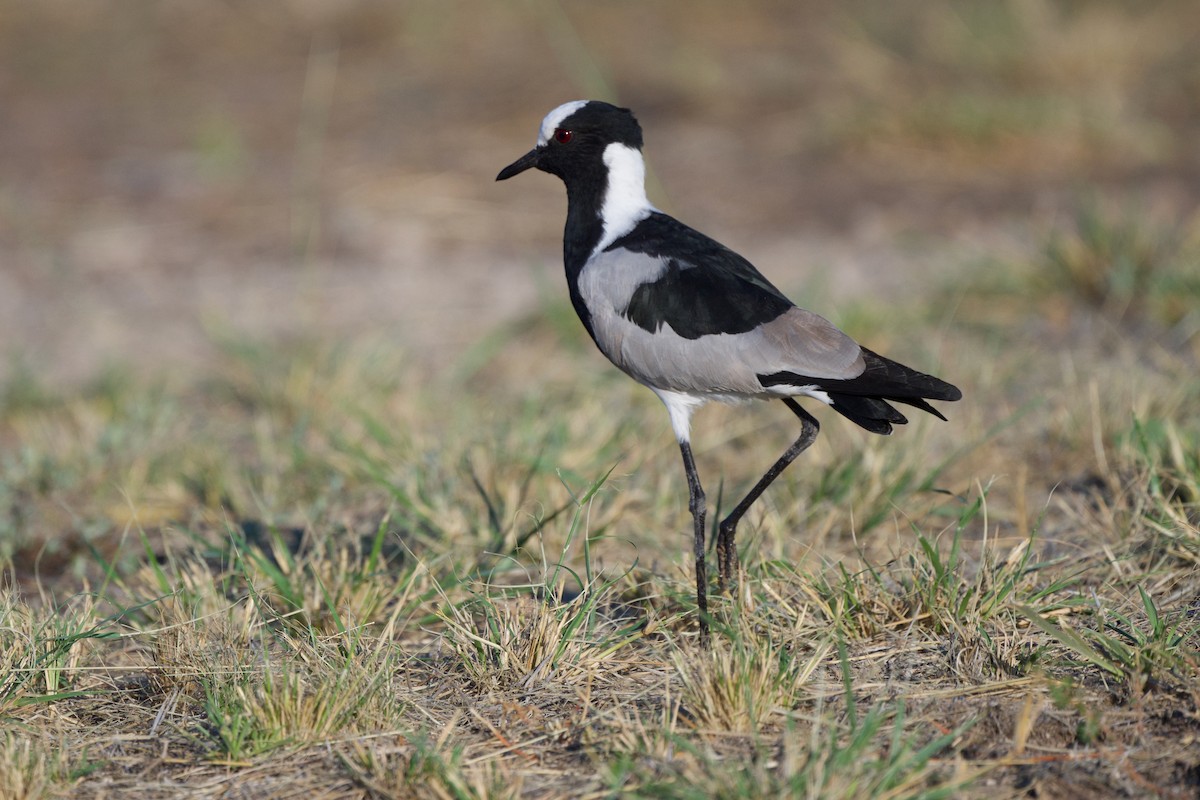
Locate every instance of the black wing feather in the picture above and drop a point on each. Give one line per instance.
(866, 400)
(706, 289)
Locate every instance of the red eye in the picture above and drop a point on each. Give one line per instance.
(562, 136)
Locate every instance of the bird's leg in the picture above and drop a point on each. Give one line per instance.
(697, 506)
(727, 560)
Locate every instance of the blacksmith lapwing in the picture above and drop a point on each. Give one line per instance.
(693, 320)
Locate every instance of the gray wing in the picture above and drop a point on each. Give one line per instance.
(791, 340)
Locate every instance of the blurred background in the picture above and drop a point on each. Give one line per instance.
(173, 172)
(283, 370)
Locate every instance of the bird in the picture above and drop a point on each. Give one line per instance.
(694, 321)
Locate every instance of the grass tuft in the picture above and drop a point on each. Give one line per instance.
(745, 681)
(419, 768)
(1124, 266)
(31, 769)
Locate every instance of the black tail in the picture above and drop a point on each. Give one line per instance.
(866, 400)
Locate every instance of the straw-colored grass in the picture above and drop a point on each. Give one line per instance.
(333, 568)
(309, 573)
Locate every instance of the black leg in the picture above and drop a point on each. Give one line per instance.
(697, 507)
(727, 560)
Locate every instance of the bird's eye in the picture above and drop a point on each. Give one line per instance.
(562, 136)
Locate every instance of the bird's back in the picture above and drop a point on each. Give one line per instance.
(679, 311)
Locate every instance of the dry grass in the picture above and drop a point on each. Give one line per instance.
(330, 568)
(319, 579)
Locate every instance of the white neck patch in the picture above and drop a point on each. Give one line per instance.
(625, 203)
(554, 119)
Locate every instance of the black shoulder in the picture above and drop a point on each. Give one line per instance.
(706, 288)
